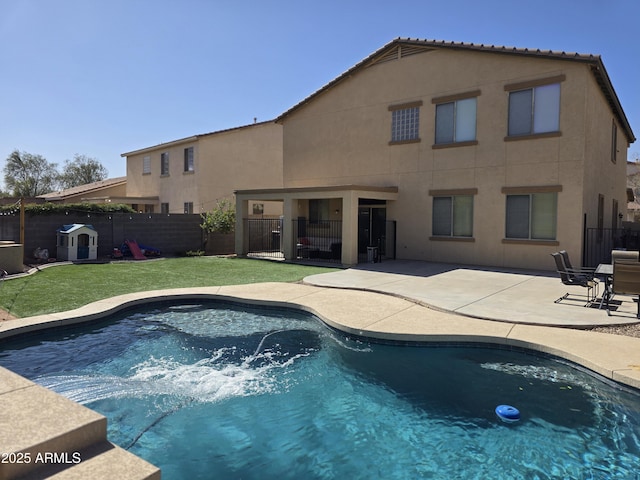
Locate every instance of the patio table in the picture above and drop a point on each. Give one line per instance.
(605, 270)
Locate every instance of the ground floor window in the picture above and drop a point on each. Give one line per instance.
(188, 207)
(453, 216)
(164, 208)
(319, 211)
(532, 216)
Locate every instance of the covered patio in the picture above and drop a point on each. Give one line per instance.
(332, 222)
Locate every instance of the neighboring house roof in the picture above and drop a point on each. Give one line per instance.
(190, 139)
(84, 189)
(402, 47)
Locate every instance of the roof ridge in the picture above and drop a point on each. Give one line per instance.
(498, 48)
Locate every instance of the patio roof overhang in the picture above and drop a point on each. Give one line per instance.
(328, 191)
(349, 194)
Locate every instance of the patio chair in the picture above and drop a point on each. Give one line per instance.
(574, 278)
(586, 271)
(626, 255)
(626, 280)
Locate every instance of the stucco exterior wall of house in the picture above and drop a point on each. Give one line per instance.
(223, 162)
(603, 176)
(342, 137)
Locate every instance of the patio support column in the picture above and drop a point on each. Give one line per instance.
(242, 213)
(287, 228)
(349, 228)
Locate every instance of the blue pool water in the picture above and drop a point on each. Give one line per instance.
(217, 391)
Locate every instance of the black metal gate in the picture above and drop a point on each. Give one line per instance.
(264, 238)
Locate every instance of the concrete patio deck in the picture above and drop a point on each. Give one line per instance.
(515, 296)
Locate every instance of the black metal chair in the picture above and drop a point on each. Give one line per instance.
(586, 271)
(575, 278)
(626, 280)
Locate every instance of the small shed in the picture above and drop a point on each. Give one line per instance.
(77, 241)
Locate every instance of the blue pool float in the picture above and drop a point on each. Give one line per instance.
(507, 413)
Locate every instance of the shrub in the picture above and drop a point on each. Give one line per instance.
(49, 208)
(222, 219)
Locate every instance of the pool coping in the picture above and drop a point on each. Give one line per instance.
(355, 312)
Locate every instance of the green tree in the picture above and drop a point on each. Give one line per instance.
(222, 219)
(81, 170)
(28, 175)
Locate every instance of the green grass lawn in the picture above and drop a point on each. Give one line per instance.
(67, 287)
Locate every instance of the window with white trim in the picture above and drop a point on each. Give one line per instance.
(534, 110)
(452, 216)
(456, 121)
(532, 216)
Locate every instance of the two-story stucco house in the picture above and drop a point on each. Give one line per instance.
(475, 154)
(192, 174)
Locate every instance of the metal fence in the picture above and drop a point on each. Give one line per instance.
(319, 241)
(264, 237)
(314, 241)
(599, 242)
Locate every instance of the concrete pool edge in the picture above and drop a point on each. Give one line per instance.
(355, 312)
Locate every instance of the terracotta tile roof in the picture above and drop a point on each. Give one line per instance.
(80, 189)
(406, 46)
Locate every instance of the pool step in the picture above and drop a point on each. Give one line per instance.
(113, 463)
(43, 433)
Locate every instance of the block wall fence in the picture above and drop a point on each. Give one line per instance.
(172, 234)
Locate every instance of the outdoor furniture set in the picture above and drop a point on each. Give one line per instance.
(620, 277)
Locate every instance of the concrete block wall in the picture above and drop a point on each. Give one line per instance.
(171, 234)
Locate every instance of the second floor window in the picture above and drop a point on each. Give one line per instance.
(534, 110)
(405, 122)
(164, 163)
(146, 165)
(188, 159)
(456, 121)
(614, 142)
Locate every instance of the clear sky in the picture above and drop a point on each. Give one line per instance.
(103, 77)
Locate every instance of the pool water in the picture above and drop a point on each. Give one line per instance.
(218, 391)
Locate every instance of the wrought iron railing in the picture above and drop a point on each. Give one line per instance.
(319, 241)
(264, 237)
(313, 241)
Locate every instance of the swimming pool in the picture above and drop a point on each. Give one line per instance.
(221, 391)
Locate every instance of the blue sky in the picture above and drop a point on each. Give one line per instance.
(101, 78)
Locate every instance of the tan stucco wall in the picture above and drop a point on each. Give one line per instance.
(342, 136)
(247, 157)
